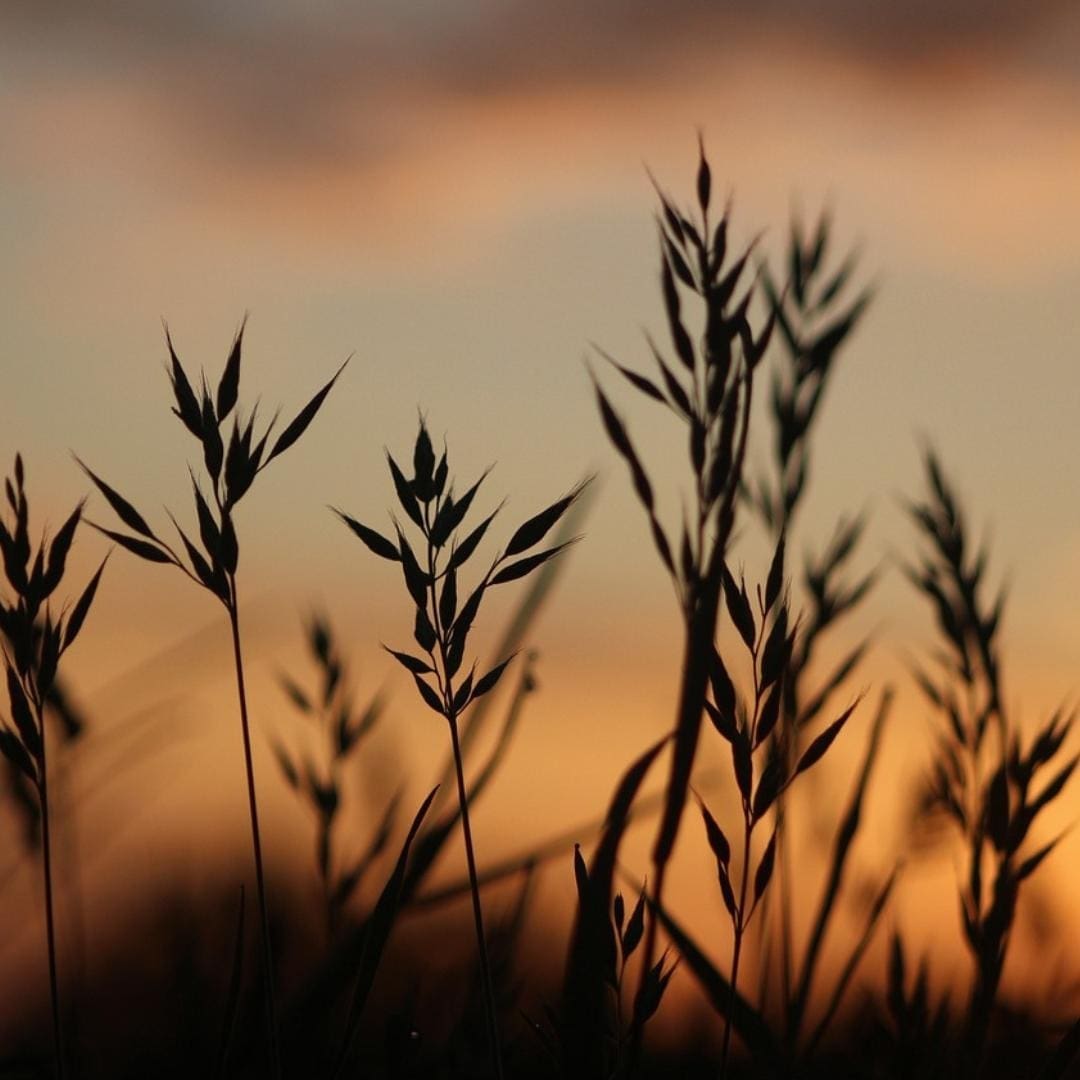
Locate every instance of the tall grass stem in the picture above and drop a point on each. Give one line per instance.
(256, 844)
(478, 914)
(736, 949)
(50, 919)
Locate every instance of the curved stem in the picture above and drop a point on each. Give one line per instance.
(260, 881)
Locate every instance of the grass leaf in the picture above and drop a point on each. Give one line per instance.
(527, 565)
(816, 750)
(410, 663)
(463, 551)
(375, 541)
(303, 418)
(124, 510)
(137, 547)
(536, 528)
(431, 698)
(745, 1019)
(379, 926)
(405, 494)
(487, 682)
(229, 386)
(591, 952)
(452, 513)
(187, 404)
(82, 606)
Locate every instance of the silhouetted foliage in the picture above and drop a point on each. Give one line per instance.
(379, 991)
(983, 780)
(36, 639)
(231, 469)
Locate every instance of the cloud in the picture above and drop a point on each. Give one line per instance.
(329, 124)
(276, 83)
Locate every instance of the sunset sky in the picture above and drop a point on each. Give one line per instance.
(456, 194)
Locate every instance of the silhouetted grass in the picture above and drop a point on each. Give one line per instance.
(443, 623)
(709, 388)
(317, 778)
(37, 638)
(231, 470)
(983, 781)
(815, 317)
(379, 991)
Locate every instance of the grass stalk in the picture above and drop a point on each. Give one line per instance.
(983, 784)
(698, 653)
(33, 642)
(442, 633)
(50, 916)
(712, 397)
(702, 616)
(736, 948)
(478, 912)
(233, 461)
(343, 727)
(269, 1002)
(442, 623)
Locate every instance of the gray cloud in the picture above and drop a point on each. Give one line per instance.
(278, 84)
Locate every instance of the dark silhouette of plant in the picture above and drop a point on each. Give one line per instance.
(769, 639)
(70, 724)
(712, 407)
(815, 318)
(443, 623)
(231, 469)
(712, 397)
(983, 780)
(918, 1028)
(321, 989)
(377, 933)
(37, 638)
(771, 695)
(341, 729)
(590, 1026)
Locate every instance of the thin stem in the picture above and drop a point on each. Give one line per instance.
(442, 634)
(741, 918)
(736, 949)
(784, 887)
(648, 952)
(478, 915)
(260, 881)
(620, 1041)
(700, 619)
(50, 924)
(73, 891)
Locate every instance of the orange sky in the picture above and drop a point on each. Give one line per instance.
(456, 194)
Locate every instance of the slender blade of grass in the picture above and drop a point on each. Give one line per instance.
(591, 944)
(377, 934)
(525, 614)
(550, 849)
(745, 1019)
(845, 836)
(433, 839)
(232, 998)
(852, 963)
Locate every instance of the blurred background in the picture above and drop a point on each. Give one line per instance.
(458, 196)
